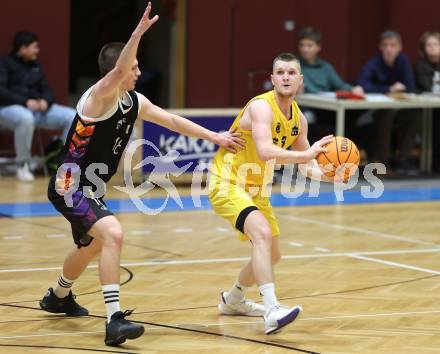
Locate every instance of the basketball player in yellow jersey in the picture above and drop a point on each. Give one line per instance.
(270, 123)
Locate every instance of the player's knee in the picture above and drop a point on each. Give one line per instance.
(266, 233)
(115, 236)
(263, 237)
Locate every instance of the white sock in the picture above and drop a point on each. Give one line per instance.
(111, 299)
(236, 294)
(62, 287)
(267, 291)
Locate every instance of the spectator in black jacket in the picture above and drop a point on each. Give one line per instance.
(428, 65)
(26, 100)
(427, 79)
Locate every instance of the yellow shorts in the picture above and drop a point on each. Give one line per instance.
(229, 201)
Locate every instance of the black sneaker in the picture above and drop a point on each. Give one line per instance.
(119, 329)
(67, 305)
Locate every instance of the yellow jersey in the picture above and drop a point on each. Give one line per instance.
(245, 167)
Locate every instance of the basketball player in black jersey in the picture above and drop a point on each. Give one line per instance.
(105, 117)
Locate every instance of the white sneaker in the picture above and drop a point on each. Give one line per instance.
(242, 308)
(24, 174)
(279, 316)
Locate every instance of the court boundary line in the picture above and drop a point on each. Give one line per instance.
(357, 230)
(394, 264)
(162, 262)
(322, 318)
(51, 334)
(18, 304)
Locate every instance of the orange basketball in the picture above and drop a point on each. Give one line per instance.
(341, 152)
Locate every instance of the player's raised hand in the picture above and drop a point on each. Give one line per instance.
(146, 22)
(230, 140)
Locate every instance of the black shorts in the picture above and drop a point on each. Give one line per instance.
(83, 213)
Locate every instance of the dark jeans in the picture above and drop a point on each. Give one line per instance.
(436, 140)
(406, 124)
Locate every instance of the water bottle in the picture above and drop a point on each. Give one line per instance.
(436, 82)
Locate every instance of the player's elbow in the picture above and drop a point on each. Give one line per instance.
(264, 157)
(264, 154)
(174, 123)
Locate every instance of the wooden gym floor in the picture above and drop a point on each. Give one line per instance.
(366, 275)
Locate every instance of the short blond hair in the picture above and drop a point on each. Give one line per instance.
(286, 57)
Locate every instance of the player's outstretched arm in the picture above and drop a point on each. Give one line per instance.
(109, 84)
(152, 113)
(262, 116)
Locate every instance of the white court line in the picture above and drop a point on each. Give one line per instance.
(240, 259)
(141, 232)
(394, 264)
(296, 244)
(223, 229)
(323, 318)
(390, 314)
(321, 249)
(12, 237)
(183, 230)
(358, 230)
(50, 334)
(56, 235)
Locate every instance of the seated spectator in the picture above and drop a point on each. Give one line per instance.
(427, 67)
(429, 61)
(391, 72)
(319, 75)
(26, 100)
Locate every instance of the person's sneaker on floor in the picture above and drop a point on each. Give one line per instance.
(279, 316)
(119, 329)
(24, 173)
(244, 307)
(68, 305)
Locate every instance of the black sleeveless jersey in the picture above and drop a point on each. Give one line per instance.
(100, 140)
